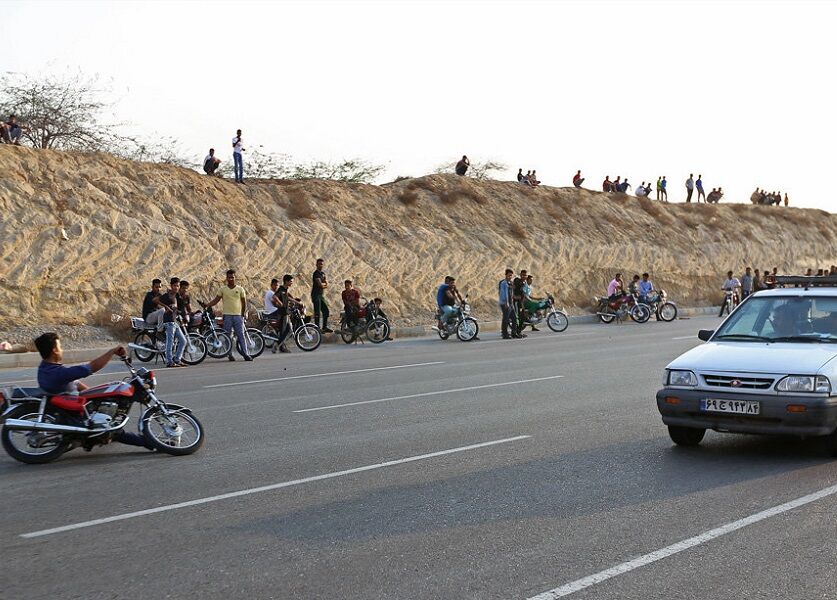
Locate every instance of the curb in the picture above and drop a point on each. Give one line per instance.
(33, 359)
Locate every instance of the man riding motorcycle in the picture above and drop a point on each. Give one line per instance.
(446, 298)
(54, 378)
(733, 285)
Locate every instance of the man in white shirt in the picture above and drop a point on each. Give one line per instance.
(690, 187)
(734, 285)
(210, 163)
(270, 305)
(237, 158)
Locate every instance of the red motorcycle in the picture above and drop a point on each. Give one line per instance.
(621, 307)
(42, 428)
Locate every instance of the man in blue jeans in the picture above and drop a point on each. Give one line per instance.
(238, 166)
(235, 308)
(169, 303)
(506, 303)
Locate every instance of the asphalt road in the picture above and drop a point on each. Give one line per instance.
(427, 472)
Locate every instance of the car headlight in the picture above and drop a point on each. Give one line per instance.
(818, 384)
(682, 378)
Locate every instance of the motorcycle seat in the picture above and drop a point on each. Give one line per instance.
(22, 392)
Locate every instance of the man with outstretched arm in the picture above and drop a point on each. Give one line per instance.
(234, 310)
(54, 378)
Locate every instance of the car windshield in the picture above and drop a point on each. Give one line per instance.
(797, 319)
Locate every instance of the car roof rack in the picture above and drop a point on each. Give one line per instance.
(807, 281)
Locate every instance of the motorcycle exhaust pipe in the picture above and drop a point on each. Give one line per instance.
(23, 425)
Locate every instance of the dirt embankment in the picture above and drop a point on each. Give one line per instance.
(83, 235)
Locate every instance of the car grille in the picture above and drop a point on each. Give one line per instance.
(738, 383)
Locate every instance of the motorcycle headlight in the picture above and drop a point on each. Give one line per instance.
(818, 384)
(682, 378)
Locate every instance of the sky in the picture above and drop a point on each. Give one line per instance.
(740, 92)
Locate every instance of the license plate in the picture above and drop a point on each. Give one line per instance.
(738, 407)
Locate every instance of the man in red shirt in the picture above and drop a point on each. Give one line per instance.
(351, 302)
(578, 179)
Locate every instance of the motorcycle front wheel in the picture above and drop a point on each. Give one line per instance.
(308, 337)
(467, 329)
(347, 333)
(377, 331)
(557, 321)
(218, 343)
(144, 339)
(255, 342)
(195, 350)
(32, 447)
(640, 313)
(177, 433)
(668, 312)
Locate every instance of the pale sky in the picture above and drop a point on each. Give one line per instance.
(741, 92)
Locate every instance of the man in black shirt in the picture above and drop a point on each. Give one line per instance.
(152, 312)
(517, 297)
(283, 300)
(318, 287)
(184, 302)
(169, 303)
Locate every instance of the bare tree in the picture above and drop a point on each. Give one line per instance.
(477, 170)
(61, 113)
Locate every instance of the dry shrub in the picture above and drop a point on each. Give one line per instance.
(655, 210)
(408, 197)
(554, 210)
(825, 230)
(448, 197)
(518, 231)
(299, 207)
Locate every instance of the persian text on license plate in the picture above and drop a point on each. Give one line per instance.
(738, 407)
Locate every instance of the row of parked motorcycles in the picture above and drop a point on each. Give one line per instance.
(627, 306)
(465, 327)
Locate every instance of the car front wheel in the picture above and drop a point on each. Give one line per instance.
(685, 436)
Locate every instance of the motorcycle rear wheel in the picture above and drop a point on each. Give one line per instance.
(198, 350)
(377, 331)
(144, 339)
(608, 318)
(640, 313)
(467, 329)
(308, 337)
(218, 343)
(557, 321)
(668, 312)
(165, 432)
(16, 443)
(255, 342)
(347, 333)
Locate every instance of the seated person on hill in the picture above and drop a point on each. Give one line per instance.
(578, 179)
(351, 302)
(210, 163)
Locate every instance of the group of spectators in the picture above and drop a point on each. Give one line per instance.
(530, 179)
(212, 162)
(11, 131)
(517, 303)
(763, 198)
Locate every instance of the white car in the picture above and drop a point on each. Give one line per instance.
(770, 368)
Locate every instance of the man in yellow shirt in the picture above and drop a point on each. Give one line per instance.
(234, 308)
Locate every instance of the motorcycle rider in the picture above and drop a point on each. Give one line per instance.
(518, 296)
(633, 287)
(169, 301)
(381, 314)
(351, 303)
(152, 310)
(615, 288)
(531, 304)
(645, 289)
(54, 378)
(448, 300)
(732, 284)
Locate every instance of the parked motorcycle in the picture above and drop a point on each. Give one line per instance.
(555, 319)
(660, 305)
(148, 342)
(620, 308)
(368, 321)
(306, 336)
(460, 323)
(218, 343)
(41, 430)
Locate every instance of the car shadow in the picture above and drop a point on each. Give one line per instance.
(569, 485)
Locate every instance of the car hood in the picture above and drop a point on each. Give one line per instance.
(756, 357)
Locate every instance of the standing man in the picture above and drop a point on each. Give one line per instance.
(462, 166)
(518, 296)
(283, 300)
(210, 163)
(507, 306)
(690, 187)
(234, 308)
(659, 187)
(169, 303)
(351, 303)
(238, 161)
(318, 287)
(746, 283)
(699, 186)
(663, 192)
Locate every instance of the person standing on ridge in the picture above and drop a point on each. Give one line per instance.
(318, 286)
(699, 186)
(462, 166)
(238, 161)
(659, 187)
(690, 187)
(578, 179)
(663, 191)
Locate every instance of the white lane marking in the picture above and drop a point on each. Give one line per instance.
(219, 385)
(423, 394)
(267, 488)
(686, 337)
(647, 559)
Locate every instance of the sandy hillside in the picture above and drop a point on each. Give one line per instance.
(128, 222)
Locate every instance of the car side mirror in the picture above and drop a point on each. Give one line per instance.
(705, 334)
